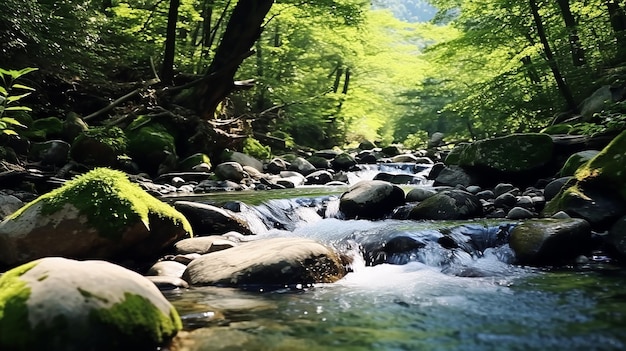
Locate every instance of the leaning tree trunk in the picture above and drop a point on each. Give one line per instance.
(243, 29)
(167, 70)
(560, 81)
(578, 53)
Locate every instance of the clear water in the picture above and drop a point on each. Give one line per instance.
(430, 303)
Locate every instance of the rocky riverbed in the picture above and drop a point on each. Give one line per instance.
(109, 216)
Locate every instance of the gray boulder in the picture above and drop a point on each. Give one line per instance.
(203, 245)
(273, 262)
(57, 304)
(230, 171)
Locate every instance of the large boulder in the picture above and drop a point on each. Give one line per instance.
(509, 154)
(575, 161)
(448, 205)
(597, 192)
(371, 199)
(276, 262)
(242, 159)
(57, 304)
(100, 214)
(550, 241)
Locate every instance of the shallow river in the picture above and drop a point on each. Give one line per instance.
(429, 303)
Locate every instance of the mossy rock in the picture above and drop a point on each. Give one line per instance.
(188, 163)
(52, 127)
(557, 129)
(254, 148)
(575, 161)
(57, 304)
(99, 146)
(100, 214)
(598, 188)
(511, 153)
(150, 144)
(550, 241)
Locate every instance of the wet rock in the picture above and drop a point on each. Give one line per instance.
(520, 213)
(420, 194)
(367, 145)
(404, 158)
(100, 214)
(550, 241)
(211, 220)
(453, 176)
(302, 166)
(203, 245)
(502, 188)
(506, 201)
(343, 162)
(210, 186)
(59, 304)
(276, 262)
(371, 199)
(242, 159)
(277, 165)
(150, 143)
(391, 150)
(448, 205)
(167, 269)
(328, 154)
(485, 195)
(232, 171)
(319, 178)
(319, 162)
(165, 283)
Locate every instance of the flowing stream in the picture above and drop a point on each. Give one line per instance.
(430, 298)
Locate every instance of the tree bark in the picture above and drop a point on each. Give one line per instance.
(578, 53)
(560, 81)
(242, 31)
(618, 24)
(167, 69)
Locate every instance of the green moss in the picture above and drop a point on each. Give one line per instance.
(51, 126)
(608, 167)
(113, 137)
(254, 148)
(560, 201)
(138, 319)
(15, 328)
(109, 200)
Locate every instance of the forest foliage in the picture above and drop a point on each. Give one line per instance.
(333, 72)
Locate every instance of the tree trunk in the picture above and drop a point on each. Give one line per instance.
(618, 24)
(243, 29)
(578, 53)
(560, 81)
(167, 70)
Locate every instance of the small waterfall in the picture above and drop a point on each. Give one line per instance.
(402, 173)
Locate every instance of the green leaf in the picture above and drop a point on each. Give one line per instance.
(4, 92)
(26, 71)
(13, 121)
(8, 131)
(18, 108)
(20, 86)
(11, 99)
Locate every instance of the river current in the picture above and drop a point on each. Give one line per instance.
(430, 299)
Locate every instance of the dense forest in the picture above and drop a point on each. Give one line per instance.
(318, 73)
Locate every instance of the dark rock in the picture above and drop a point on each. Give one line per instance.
(420, 194)
(302, 166)
(319, 178)
(343, 162)
(52, 152)
(371, 199)
(520, 213)
(230, 171)
(448, 205)
(550, 241)
(277, 165)
(553, 187)
(210, 220)
(453, 176)
(506, 201)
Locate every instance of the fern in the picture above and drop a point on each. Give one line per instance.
(10, 93)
